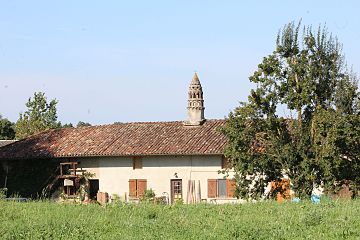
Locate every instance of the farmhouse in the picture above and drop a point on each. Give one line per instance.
(180, 160)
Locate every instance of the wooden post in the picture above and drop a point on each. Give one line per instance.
(74, 167)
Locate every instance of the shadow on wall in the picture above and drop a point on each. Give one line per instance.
(157, 161)
(26, 178)
(28, 164)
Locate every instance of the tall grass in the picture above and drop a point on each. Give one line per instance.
(267, 220)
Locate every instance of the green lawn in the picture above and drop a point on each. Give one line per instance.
(267, 220)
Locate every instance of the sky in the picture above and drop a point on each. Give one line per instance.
(132, 61)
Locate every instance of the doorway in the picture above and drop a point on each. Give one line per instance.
(176, 190)
(94, 188)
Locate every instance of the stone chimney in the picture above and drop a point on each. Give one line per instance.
(195, 103)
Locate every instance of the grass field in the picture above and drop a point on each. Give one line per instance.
(267, 220)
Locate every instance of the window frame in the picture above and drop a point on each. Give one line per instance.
(213, 192)
(137, 163)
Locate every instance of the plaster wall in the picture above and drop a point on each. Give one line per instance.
(114, 172)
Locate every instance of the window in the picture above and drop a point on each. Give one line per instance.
(137, 187)
(222, 193)
(225, 163)
(221, 188)
(137, 163)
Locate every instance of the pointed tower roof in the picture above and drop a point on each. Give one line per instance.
(195, 103)
(195, 80)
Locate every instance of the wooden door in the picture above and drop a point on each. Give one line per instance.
(176, 189)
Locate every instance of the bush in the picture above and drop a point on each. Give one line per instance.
(148, 196)
(3, 192)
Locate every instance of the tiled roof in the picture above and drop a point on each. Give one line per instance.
(6, 142)
(122, 139)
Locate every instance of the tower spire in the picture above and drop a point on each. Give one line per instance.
(195, 106)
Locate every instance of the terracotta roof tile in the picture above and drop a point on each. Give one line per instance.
(122, 139)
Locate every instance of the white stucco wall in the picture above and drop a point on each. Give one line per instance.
(114, 172)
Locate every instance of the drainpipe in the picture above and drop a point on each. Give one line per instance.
(6, 176)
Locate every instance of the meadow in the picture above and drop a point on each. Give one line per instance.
(265, 220)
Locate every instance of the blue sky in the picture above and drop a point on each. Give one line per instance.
(125, 61)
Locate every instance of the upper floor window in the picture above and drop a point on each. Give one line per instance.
(225, 163)
(137, 163)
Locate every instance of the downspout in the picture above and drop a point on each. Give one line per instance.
(191, 165)
(6, 176)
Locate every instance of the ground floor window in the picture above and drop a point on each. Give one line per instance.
(221, 188)
(137, 187)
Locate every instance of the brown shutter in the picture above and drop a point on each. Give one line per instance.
(212, 188)
(231, 187)
(283, 188)
(141, 187)
(132, 188)
(286, 188)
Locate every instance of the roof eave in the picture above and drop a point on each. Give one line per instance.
(116, 155)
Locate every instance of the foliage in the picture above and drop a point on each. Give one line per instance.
(7, 131)
(267, 220)
(39, 116)
(84, 189)
(116, 199)
(83, 124)
(67, 125)
(148, 196)
(79, 124)
(336, 142)
(319, 144)
(3, 192)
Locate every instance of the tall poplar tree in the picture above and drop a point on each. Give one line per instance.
(317, 143)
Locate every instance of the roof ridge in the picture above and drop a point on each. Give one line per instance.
(150, 122)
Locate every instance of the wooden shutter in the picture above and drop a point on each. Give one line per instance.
(286, 188)
(212, 188)
(231, 187)
(132, 188)
(283, 189)
(141, 187)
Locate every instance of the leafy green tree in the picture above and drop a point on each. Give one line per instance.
(7, 131)
(39, 116)
(83, 124)
(67, 125)
(306, 75)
